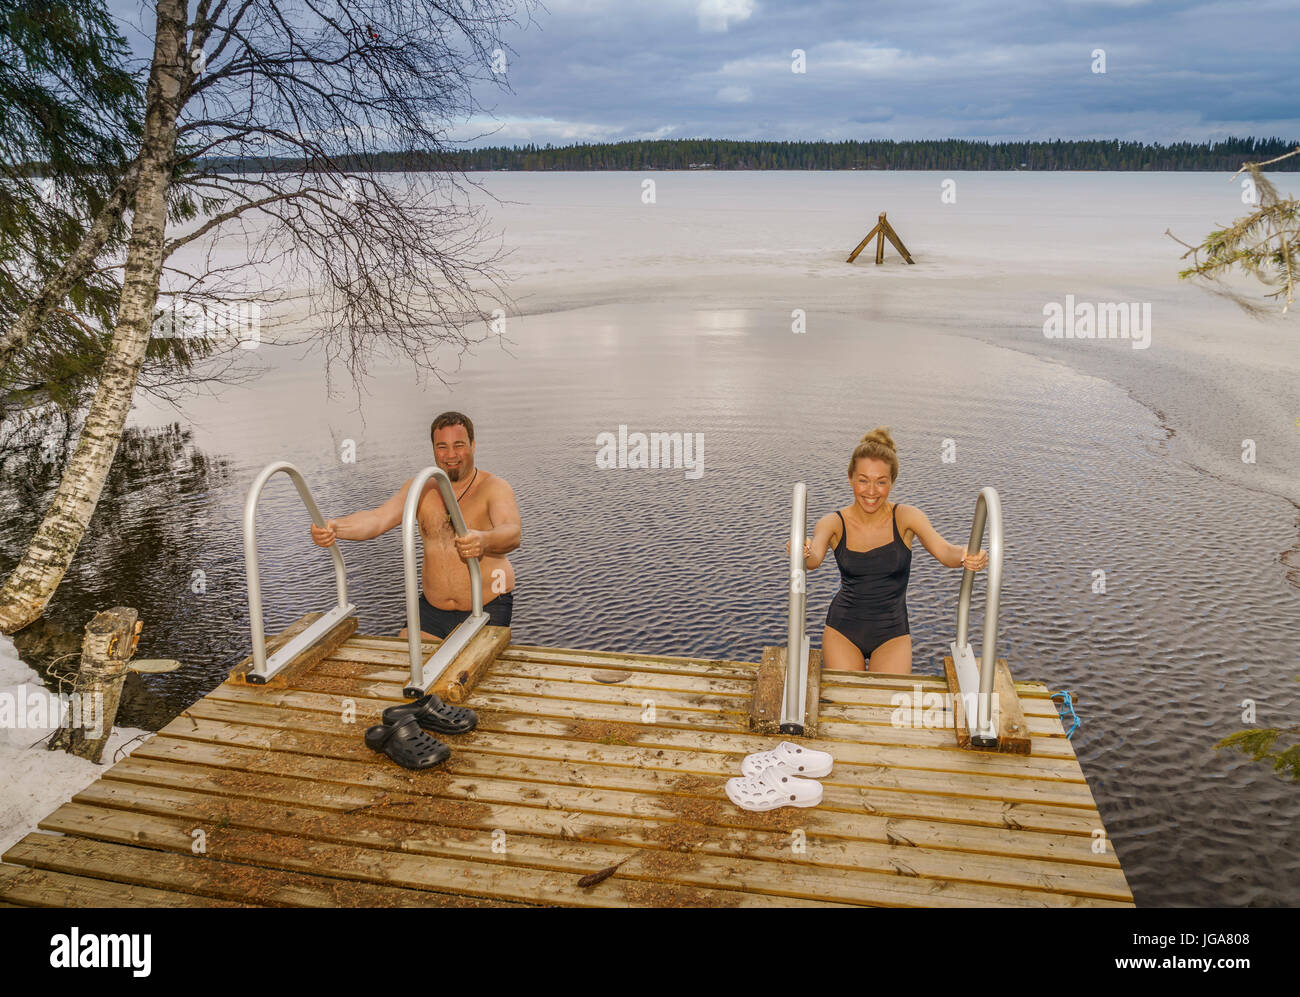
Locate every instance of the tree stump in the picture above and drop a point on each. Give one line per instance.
(110, 640)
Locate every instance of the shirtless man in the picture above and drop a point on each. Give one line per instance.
(491, 515)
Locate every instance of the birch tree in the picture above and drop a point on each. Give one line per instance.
(315, 88)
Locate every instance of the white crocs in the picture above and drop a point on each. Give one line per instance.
(771, 789)
(791, 758)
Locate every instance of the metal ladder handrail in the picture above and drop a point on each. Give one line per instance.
(794, 703)
(263, 668)
(425, 674)
(980, 720)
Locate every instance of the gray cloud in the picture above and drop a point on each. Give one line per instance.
(607, 70)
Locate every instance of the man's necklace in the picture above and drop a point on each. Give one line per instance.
(462, 494)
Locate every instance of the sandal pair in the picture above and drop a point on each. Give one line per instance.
(782, 777)
(403, 738)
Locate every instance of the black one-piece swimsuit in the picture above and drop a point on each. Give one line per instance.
(871, 605)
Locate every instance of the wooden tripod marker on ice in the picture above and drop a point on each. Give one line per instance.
(882, 231)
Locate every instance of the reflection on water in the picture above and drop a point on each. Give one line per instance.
(1195, 615)
(144, 549)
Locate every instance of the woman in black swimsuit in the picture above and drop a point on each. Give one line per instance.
(866, 625)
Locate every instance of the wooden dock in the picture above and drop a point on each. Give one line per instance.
(266, 796)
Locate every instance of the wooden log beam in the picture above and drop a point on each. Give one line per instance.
(880, 239)
(769, 692)
(329, 642)
(892, 236)
(473, 661)
(863, 244)
(814, 692)
(1013, 732)
(111, 639)
(769, 686)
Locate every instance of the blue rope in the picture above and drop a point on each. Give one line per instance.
(1067, 711)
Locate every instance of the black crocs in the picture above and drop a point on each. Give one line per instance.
(432, 714)
(405, 743)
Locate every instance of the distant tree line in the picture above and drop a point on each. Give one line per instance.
(940, 154)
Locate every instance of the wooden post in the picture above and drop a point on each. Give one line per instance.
(880, 239)
(863, 244)
(471, 663)
(769, 686)
(111, 638)
(1013, 731)
(892, 236)
(769, 692)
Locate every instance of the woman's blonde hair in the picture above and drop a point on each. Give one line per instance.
(876, 445)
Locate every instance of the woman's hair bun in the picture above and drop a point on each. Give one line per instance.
(880, 435)
(877, 445)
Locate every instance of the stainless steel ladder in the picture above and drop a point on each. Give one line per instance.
(424, 674)
(264, 667)
(794, 704)
(975, 683)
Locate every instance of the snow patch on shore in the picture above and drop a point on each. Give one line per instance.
(34, 781)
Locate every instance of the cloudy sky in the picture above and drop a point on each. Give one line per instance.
(607, 70)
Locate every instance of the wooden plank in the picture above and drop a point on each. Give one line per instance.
(812, 706)
(26, 887)
(393, 856)
(644, 800)
(545, 839)
(880, 694)
(856, 713)
(537, 671)
(892, 236)
(835, 702)
(568, 700)
(846, 684)
(470, 664)
(863, 244)
(348, 679)
(725, 706)
(852, 789)
(695, 715)
(395, 645)
(387, 661)
(328, 642)
(1013, 737)
(879, 789)
(769, 688)
(203, 877)
(627, 659)
(674, 730)
(840, 721)
(873, 726)
(398, 660)
(722, 723)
